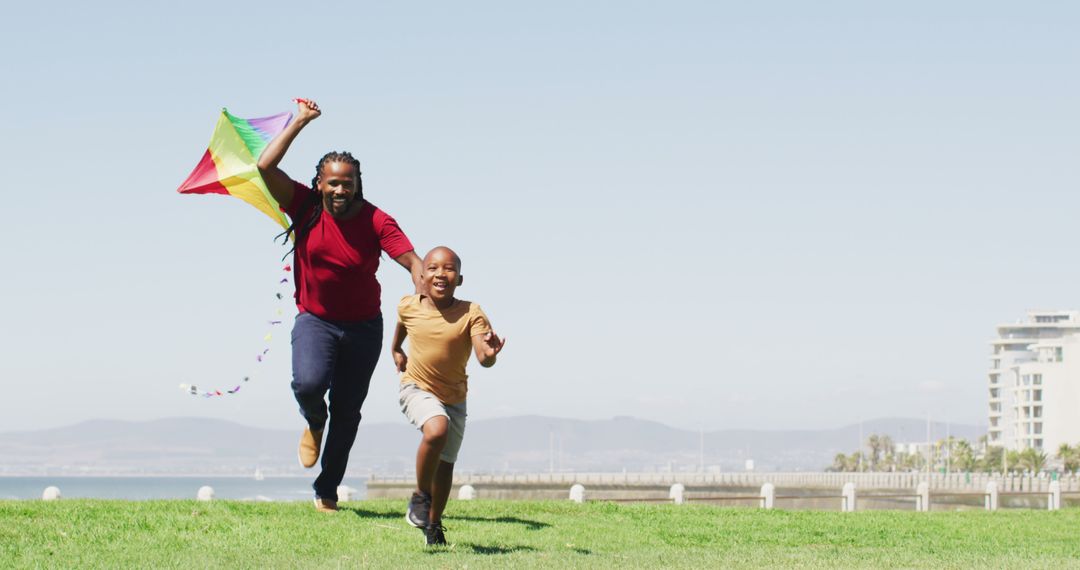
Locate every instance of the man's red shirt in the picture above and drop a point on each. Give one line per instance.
(335, 262)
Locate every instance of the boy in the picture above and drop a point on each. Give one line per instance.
(441, 330)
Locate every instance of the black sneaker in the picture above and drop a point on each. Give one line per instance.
(434, 535)
(419, 507)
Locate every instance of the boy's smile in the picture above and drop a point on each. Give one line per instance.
(442, 275)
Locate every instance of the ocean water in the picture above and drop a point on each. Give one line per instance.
(147, 488)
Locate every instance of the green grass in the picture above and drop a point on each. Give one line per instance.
(186, 534)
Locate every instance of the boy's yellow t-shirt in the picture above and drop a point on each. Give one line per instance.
(439, 345)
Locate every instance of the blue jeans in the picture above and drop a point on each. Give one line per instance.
(338, 358)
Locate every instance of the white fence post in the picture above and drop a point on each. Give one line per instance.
(922, 501)
(1053, 497)
(466, 493)
(677, 493)
(206, 493)
(768, 495)
(50, 494)
(577, 493)
(345, 493)
(992, 496)
(848, 506)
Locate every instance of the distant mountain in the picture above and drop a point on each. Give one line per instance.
(516, 444)
(529, 443)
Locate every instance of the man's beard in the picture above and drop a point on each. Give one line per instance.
(328, 204)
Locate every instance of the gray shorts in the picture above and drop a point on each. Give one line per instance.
(420, 406)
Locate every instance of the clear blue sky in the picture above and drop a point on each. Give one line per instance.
(717, 214)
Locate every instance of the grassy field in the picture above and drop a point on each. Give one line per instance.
(187, 534)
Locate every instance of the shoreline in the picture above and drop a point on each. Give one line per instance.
(156, 476)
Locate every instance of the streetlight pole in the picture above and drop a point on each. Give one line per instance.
(929, 450)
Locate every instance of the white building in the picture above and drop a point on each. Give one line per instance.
(1035, 382)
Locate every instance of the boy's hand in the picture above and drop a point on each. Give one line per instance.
(400, 360)
(486, 347)
(493, 344)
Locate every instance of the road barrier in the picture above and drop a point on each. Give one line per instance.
(920, 492)
(847, 496)
(812, 489)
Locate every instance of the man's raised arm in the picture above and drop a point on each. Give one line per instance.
(277, 182)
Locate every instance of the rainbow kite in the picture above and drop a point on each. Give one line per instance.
(229, 165)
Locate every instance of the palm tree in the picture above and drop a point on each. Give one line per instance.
(909, 461)
(1032, 460)
(856, 461)
(963, 456)
(839, 463)
(1069, 456)
(1038, 461)
(1012, 461)
(874, 443)
(936, 454)
(991, 460)
(889, 454)
(946, 447)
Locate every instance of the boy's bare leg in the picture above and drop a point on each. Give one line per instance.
(440, 491)
(427, 455)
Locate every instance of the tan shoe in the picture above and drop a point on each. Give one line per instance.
(325, 506)
(309, 447)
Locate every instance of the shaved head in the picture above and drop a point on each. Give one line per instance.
(442, 249)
